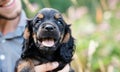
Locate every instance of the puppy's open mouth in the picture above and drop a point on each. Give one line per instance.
(5, 3)
(47, 42)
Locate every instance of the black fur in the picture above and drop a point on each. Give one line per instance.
(62, 52)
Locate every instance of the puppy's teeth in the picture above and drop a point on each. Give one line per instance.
(10, 2)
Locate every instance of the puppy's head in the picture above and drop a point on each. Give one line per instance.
(48, 29)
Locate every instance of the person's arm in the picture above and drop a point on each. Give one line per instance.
(50, 66)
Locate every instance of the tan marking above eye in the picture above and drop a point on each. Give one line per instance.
(40, 16)
(58, 15)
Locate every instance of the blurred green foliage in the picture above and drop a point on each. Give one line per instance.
(61, 5)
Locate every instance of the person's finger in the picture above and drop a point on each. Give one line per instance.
(65, 69)
(46, 67)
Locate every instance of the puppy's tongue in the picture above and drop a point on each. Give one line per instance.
(48, 42)
(5, 2)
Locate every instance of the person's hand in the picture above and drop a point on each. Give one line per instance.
(65, 69)
(50, 66)
(46, 67)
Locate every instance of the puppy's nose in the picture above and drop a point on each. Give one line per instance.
(49, 27)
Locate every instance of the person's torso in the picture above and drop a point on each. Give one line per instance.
(10, 51)
(11, 46)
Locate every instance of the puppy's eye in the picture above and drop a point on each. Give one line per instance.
(58, 22)
(36, 25)
(39, 21)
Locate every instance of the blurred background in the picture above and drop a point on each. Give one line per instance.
(95, 27)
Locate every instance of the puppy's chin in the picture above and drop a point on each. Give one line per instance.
(47, 50)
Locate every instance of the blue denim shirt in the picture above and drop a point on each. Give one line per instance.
(11, 46)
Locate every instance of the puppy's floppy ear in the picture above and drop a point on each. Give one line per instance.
(27, 34)
(67, 34)
(28, 29)
(67, 46)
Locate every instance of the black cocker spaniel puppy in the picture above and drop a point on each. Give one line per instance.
(47, 38)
